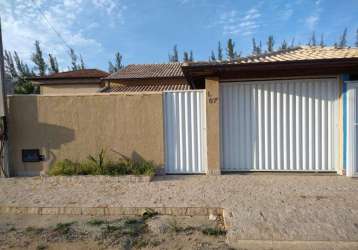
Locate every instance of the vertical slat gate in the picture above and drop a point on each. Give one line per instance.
(185, 131)
(352, 125)
(281, 125)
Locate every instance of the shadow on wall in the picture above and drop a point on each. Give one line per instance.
(26, 132)
(135, 156)
(59, 136)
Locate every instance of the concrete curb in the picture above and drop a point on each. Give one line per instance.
(110, 211)
(292, 245)
(96, 179)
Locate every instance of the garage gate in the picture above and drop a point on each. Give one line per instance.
(279, 125)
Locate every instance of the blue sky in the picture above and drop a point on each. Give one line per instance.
(144, 31)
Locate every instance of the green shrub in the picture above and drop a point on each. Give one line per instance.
(65, 167)
(96, 222)
(143, 168)
(139, 167)
(97, 165)
(87, 168)
(113, 168)
(64, 228)
(126, 166)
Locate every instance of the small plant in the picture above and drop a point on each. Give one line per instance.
(96, 222)
(113, 169)
(155, 243)
(149, 213)
(65, 167)
(41, 247)
(137, 167)
(86, 168)
(133, 221)
(174, 227)
(143, 168)
(33, 230)
(64, 228)
(213, 231)
(98, 161)
(141, 243)
(135, 229)
(111, 228)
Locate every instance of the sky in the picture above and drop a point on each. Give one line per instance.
(145, 31)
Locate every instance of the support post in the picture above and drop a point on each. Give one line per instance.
(213, 125)
(3, 125)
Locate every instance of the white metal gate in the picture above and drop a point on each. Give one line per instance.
(280, 125)
(352, 125)
(185, 131)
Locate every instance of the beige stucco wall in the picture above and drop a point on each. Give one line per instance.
(69, 88)
(75, 126)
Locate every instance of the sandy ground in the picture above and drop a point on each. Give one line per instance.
(66, 232)
(257, 207)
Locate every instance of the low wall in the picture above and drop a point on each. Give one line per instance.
(74, 126)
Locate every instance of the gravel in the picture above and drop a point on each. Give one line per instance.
(256, 207)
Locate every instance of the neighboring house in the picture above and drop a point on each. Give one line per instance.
(71, 82)
(147, 77)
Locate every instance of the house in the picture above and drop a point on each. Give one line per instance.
(287, 111)
(147, 77)
(71, 82)
(291, 110)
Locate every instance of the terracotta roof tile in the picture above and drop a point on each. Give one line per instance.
(140, 71)
(301, 53)
(146, 87)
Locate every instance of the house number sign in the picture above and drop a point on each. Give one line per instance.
(213, 99)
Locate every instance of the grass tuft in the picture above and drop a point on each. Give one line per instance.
(41, 247)
(213, 231)
(174, 226)
(33, 230)
(96, 222)
(149, 213)
(64, 228)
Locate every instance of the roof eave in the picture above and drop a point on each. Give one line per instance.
(39, 79)
(218, 69)
(67, 81)
(143, 78)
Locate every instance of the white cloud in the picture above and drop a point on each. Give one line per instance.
(184, 1)
(23, 24)
(318, 2)
(311, 21)
(287, 12)
(245, 24)
(110, 6)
